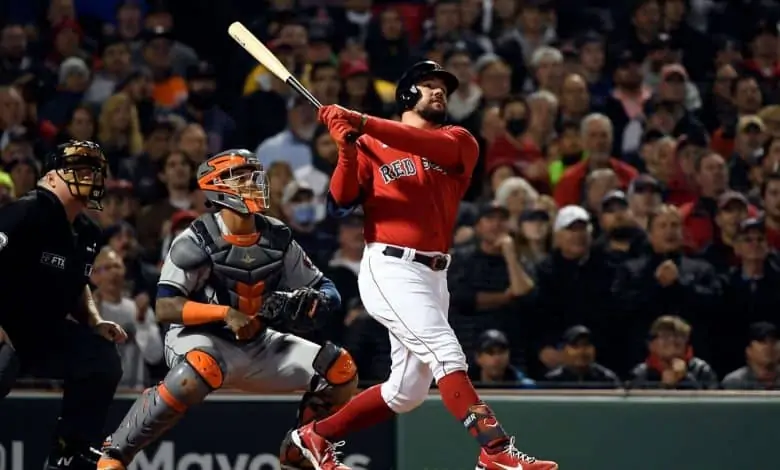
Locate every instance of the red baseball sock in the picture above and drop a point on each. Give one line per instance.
(365, 410)
(458, 394)
(460, 398)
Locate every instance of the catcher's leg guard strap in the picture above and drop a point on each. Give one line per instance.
(334, 385)
(335, 364)
(159, 408)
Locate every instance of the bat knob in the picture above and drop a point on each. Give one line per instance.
(352, 137)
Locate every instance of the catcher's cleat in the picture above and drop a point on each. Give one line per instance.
(512, 459)
(316, 449)
(108, 463)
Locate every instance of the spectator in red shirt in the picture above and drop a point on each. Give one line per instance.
(597, 144)
(515, 145)
(770, 195)
(682, 186)
(699, 216)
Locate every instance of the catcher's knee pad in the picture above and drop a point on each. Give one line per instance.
(333, 386)
(193, 378)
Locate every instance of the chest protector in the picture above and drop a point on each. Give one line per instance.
(241, 276)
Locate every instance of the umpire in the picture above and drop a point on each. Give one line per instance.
(52, 326)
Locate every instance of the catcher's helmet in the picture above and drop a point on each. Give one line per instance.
(82, 166)
(406, 92)
(235, 179)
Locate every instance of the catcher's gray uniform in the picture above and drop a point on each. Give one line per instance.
(272, 362)
(203, 267)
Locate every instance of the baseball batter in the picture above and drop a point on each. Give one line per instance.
(409, 177)
(224, 279)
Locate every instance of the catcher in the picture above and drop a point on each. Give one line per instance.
(225, 280)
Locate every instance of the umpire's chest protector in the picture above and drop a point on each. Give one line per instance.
(242, 275)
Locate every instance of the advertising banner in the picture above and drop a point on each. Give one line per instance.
(228, 432)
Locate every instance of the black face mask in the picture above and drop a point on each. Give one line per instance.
(569, 159)
(624, 233)
(202, 99)
(516, 126)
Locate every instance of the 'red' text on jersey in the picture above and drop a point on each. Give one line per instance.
(406, 167)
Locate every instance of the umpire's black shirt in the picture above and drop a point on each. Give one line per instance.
(45, 262)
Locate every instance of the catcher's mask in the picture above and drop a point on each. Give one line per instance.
(81, 165)
(235, 179)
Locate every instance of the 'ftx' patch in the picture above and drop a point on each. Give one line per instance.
(50, 259)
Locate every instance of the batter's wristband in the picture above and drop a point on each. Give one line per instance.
(196, 313)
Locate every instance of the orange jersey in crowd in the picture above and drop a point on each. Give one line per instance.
(410, 198)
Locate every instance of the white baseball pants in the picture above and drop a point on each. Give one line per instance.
(412, 302)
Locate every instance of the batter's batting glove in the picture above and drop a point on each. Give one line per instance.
(343, 133)
(294, 310)
(326, 114)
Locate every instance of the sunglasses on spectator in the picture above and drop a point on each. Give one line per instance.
(536, 215)
(644, 188)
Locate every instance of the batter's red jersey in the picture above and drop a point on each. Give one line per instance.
(409, 199)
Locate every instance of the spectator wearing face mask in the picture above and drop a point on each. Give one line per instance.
(201, 107)
(762, 364)
(302, 214)
(621, 237)
(514, 144)
(579, 368)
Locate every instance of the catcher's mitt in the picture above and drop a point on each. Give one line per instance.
(294, 310)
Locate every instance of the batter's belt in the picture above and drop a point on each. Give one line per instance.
(435, 262)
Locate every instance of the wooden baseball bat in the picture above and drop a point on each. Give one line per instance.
(262, 54)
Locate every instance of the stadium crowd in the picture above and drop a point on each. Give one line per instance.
(621, 226)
